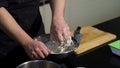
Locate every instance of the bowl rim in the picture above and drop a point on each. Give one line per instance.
(26, 62)
(55, 53)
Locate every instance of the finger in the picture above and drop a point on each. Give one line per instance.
(66, 34)
(46, 49)
(39, 53)
(53, 37)
(45, 52)
(34, 55)
(69, 35)
(60, 37)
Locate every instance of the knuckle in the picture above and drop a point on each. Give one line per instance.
(37, 49)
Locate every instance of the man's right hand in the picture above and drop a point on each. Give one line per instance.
(37, 50)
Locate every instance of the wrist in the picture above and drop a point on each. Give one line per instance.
(56, 18)
(27, 41)
(57, 14)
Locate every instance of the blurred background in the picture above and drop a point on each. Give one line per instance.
(83, 12)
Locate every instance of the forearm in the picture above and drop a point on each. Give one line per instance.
(57, 7)
(11, 28)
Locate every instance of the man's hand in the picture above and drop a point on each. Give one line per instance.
(60, 30)
(37, 50)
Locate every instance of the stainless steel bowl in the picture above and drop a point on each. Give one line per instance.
(55, 47)
(39, 64)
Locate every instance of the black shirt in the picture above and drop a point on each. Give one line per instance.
(26, 13)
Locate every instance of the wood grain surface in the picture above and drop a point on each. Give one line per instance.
(92, 38)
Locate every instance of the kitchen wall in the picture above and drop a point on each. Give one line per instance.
(84, 12)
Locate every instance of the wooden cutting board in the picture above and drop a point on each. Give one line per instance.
(92, 38)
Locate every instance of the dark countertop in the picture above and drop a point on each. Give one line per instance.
(101, 57)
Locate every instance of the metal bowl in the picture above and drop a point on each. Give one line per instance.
(55, 47)
(39, 64)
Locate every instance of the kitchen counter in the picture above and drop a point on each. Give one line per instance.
(101, 57)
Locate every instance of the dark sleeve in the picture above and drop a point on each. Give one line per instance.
(3, 3)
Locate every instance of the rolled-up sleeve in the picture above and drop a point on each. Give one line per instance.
(3, 3)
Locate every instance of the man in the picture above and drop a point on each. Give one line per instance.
(20, 21)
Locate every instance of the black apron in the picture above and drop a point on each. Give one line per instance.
(26, 13)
